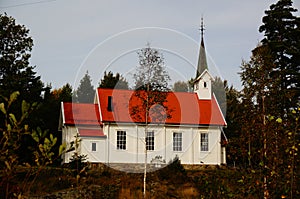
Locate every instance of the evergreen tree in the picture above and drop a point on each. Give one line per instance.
(50, 108)
(256, 81)
(191, 84)
(114, 82)
(85, 92)
(16, 74)
(180, 86)
(218, 88)
(236, 150)
(259, 102)
(50, 112)
(282, 36)
(63, 94)
(281, 29)
(270, 90)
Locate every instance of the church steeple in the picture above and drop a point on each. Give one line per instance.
(203, 80)
(202, 63)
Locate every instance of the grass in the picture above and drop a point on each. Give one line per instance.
(172, 181)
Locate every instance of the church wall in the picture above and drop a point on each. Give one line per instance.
(107, 152)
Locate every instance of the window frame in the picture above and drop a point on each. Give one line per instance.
(177, 141)
(94, 147)
(204, 142)
(150, 143)
(121, 140)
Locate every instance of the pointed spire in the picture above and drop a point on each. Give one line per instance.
(202, 63)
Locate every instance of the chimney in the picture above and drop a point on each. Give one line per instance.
(110, 103)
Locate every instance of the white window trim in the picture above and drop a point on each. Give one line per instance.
(153, 136)
(117, 141)
(177, 141)
(94, 143)
(202, 149)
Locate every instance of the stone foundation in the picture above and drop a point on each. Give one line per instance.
(135, 168)
(139, 168)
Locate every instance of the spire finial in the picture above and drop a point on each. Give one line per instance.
(202, 63)
(202, 27)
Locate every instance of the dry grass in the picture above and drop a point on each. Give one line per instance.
(172, 181)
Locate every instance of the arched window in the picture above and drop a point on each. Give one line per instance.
(204, 84)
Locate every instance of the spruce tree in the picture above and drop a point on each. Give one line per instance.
(218, 88)
(16, 74)
(270, 91)
(85, 92)
(180, 86)
(113, 81)
(282, 36)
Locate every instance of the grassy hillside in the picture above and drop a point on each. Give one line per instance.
(172, 181)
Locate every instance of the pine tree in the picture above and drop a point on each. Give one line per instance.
(114, 82)
(85, 92)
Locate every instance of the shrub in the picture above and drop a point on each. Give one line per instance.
(78, 162)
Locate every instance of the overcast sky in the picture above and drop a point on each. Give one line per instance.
(75, 36)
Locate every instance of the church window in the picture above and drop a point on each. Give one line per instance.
(177, 141)
(121, 140)
(150, 141)
(94, 146)
(204, 141)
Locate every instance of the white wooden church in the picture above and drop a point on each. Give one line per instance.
(110, 135)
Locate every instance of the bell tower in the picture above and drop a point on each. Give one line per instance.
(203, 80)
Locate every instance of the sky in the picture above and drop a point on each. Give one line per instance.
(72, 37)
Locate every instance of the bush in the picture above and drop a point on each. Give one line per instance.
(78, 162)
(174, 172)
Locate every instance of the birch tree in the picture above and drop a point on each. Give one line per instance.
(151, 87)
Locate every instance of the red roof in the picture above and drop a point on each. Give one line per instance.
(91, 132)
(184, 108)
(84, 114)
